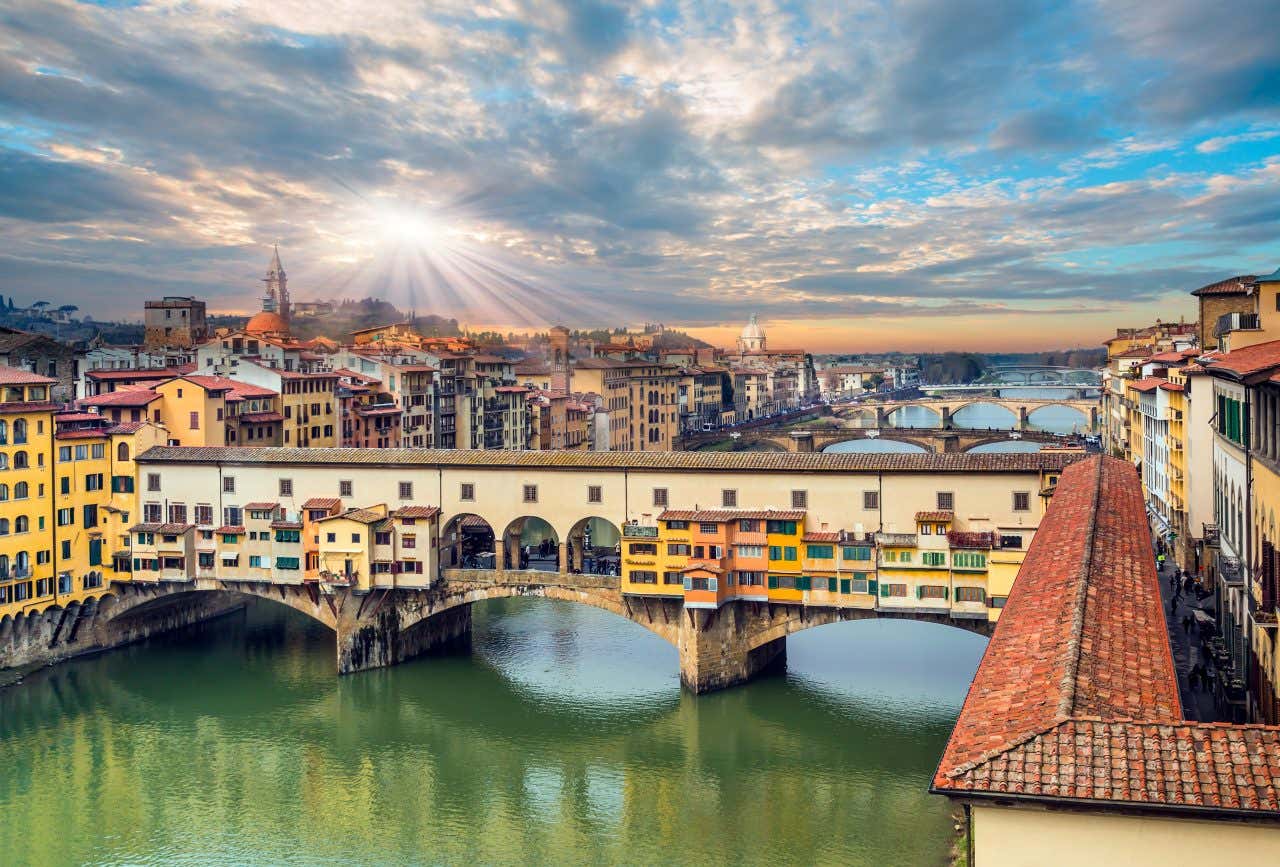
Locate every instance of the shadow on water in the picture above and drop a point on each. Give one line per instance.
(562, 736)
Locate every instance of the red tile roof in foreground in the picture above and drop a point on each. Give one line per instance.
(1150, 383)
(937, 515)
(322, 503)
(1231, 286)
(1246, 361)
(1076, 699)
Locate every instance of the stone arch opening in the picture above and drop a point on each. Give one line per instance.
(594, 547)
(530, 542)
(969, 415)
(122, 610)
(1060, 417)
(468, 542)
(914, 415)
(791, 622)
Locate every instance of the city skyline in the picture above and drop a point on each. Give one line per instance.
(864, 178)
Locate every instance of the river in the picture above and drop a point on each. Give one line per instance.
(562, 737)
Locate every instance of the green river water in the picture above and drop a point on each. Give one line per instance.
(563, 737)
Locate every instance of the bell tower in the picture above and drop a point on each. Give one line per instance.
(278, 287)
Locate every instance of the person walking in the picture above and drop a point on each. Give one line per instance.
(1186, 624)
(1160, 561)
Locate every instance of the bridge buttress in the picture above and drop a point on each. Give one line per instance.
(716, 648)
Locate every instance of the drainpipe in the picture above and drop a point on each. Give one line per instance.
(1248, 547)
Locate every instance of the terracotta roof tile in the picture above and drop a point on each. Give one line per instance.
(1231, 286)
(261, 507)
(1076, 697)
(18, 376)
(711, 516)
(822, 536)
(121, 397)
(936, 515)
(1246, 361)
(415, 512)
(322, 503)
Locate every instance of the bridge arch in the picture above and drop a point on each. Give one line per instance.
(467, 541)
(994, 403)
(146, 601)
(532, 543)
(1085, 420)
(935, 410)
(793, 620)
(593, 546)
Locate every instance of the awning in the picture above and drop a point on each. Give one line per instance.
(230, 558)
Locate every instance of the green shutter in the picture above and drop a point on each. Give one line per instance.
(803, 582)
(831, 585)
(773, 582)
(872, 586)
(884, 589)
(844, 585)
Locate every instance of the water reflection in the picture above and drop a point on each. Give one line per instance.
(564, 736)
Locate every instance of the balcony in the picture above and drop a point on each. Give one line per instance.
(896, 540)
(1229, 322)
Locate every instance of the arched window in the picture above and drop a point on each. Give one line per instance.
(4, 492)
(21, 491)
(20, 431)
(4, 526)
(20, 460)
(4, 431)
(22, 524)
(22, 562)
(4, 461)
(122, 452)
(4, 565)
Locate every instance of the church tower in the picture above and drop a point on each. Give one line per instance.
(277, 287)
(752, 338)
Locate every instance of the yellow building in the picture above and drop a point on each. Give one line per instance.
(784, 536)
(346, 545)
(655, 556)
(193, 409)
(27, 568)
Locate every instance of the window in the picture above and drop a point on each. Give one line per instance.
(678, 549)
(893, 590)
(406, 490)
(969, 560)
(782, 582)
(998, 601)
(290, 563)
(355, 538)
(751, 551)
(672, 578)
(383, 538)
(122, 452)
(177, 513)
(531, 493)
(194, 422)
(926, 529)
(409, 542)
(931, 591)
(859, 584)
(468, 492)
(729, 498)
(786, 528)
(204, 514)
(871, 500)
(1021, 501)
(934, 558)
(93, 482)
(255, 562)
(1010, 541)
(64, 485)
(660, 497)
(595, 494)
(286, 487)
(677, 525)
(650, 548)
(946, 501)
(288, 535)
(971, 594)
(748, 526)
(66, 517)
(331, 537)
(820, 552)
(344, 488)
(708, 528)
(64, 454)
(232, 516)
(642, 576)
(228, 484)
(153, 482)
(857, 552)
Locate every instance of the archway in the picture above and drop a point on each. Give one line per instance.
(985, 415)
(467, 542)
(863, 417)
(529, 542)
(1058, 418)
(593, 547)
(914, 415)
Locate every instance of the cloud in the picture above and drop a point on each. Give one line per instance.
(590, 159)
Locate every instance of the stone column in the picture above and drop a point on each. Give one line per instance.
(376, 640)
(882, 417)
(716, 648)
(946, 418)
(802, 441)
(1024, 418)
(564, 557)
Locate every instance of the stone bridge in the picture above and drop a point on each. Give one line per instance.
(945, 408)
(818, 439)
(718, 648)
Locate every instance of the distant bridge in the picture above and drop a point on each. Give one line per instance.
(819, 439)
(945, 408)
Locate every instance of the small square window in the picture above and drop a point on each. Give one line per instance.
(286, 487)
(871, 500)
(228, 484)
(468, 492)
(344, 488)
(799, 499)
(594, 494)
(406, 490)
(729, 498)
(531, 493)
(660, 497)
(1021, 501)
(153, 482)
(946, 501)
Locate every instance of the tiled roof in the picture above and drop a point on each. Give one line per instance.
(954, 462)
(1231, 286)
(822, 537)
(149, 373)
(126, 427)
(960, 539)
(703, 567)
(259, 417)
(936, 515)
(231, 530)
(1247, 361)
(18, 376)
(286, 525)
(360, 516)
(322, 503)
(416, 512)
(1076, 697)
(721, 515)
(1171, 386)
(121, 397)
(262, 507)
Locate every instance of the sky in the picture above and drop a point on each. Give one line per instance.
(864, 176)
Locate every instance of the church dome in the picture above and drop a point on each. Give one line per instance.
(752, 330)
(267, 322)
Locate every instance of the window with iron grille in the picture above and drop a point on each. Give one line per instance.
(286, 487)
(467, 492)
(406, 490)
(871, 500)
(799, 499)
(531, 493)
(344, 488)
(595, 494)
(946, 501)
(660, 497)
(729, 498)
(228, 484)
(1021, 501)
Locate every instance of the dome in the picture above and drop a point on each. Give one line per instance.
(752, 330)
(266, 322)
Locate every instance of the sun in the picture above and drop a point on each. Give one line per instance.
(405, 228)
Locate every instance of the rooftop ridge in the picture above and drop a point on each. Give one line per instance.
(1067, 702)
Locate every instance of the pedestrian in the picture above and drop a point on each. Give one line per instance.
(1186, 624)
(1160, 561)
